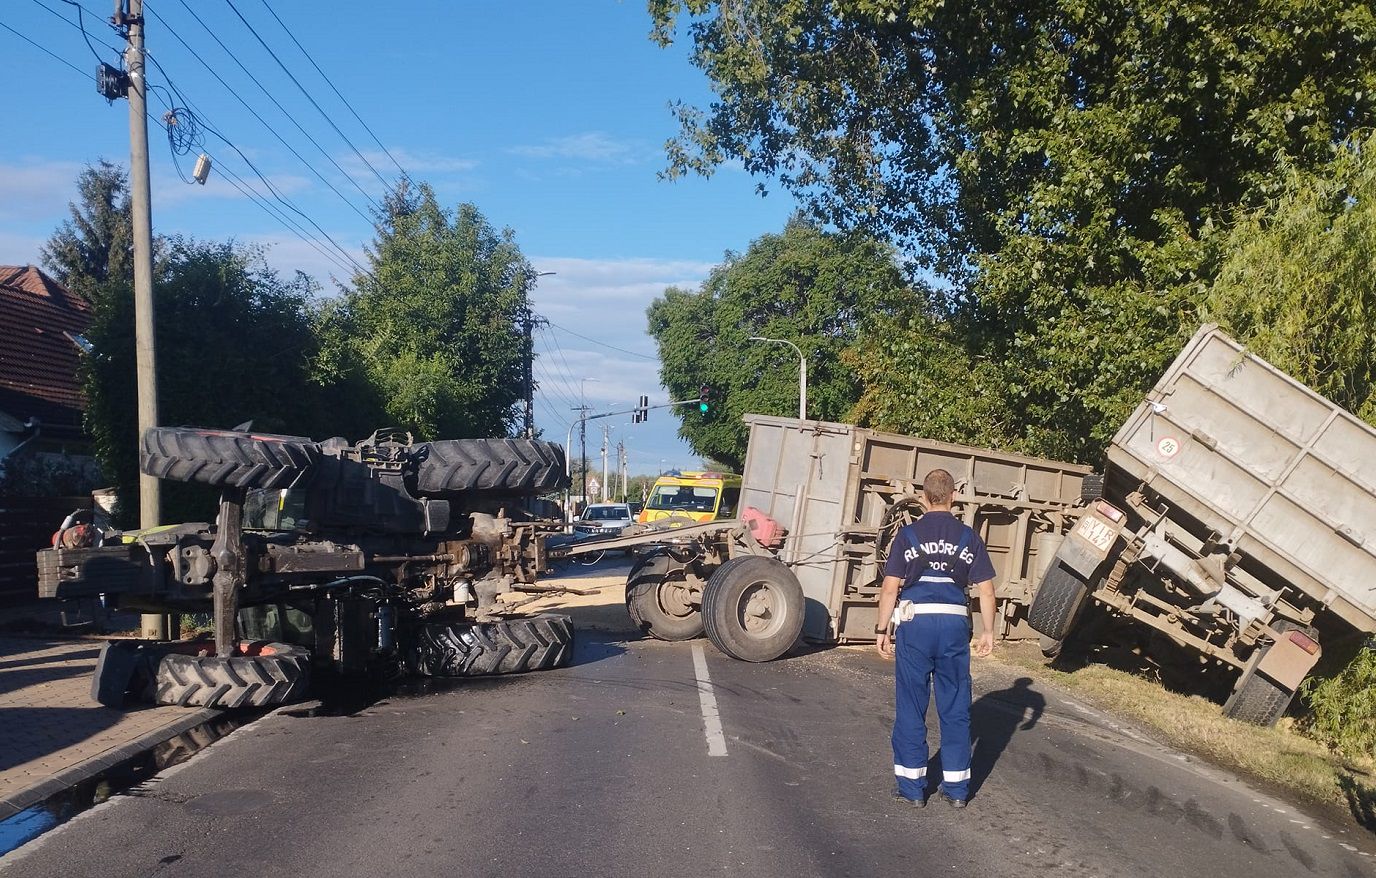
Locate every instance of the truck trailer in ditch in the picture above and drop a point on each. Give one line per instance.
(1238, 519)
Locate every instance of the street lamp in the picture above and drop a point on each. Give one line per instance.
(802, 372)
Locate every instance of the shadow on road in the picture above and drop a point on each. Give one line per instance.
(994, 718)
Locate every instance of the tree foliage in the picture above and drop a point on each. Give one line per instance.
(1062, 165)
(234, 344)
(96, 244)
(815, 289)
(431, 338)
(1297, 283)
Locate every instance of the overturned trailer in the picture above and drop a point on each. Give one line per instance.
(1238, 520)
(821, 502)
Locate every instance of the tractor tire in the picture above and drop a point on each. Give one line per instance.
(514, 466)
(752, 609)
(1057, 602)
(657, 599)
(117, 668)
(1256, 699)
(259, 674)
(226, 458)
(483, 649)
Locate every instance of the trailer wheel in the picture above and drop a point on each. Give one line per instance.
(752, 608)
(258, 674)
(1057, 602)
(482, 649)
(1256, 699)
(522, 466)
(226, 458)
(659, 600)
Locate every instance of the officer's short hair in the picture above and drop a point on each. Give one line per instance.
(938, 487)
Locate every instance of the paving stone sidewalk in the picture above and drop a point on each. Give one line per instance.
(52, 735)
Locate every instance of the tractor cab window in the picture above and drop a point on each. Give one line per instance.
(283, 509)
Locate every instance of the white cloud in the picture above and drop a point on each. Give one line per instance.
(32, 188)
(420, 165)
(592, 146)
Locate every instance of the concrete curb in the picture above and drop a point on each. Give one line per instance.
(70, 777)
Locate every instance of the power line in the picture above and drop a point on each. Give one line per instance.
(48, 52)
(234, 180)
(549, 338)
(548, 385)
(337, 92)
(255, 115)
(264, 89)
(317, 106)
(351, 263)
(601, 343)
(79, 26)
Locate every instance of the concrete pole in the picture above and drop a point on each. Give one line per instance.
(145, 347)
(606, 448)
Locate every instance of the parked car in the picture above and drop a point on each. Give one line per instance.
(603, 519)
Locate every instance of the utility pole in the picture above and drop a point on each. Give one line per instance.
(583, 453)
(529, 326)
(621, 462)
(606, 447)
(145, 348)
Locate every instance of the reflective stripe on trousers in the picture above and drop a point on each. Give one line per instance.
(932, 652)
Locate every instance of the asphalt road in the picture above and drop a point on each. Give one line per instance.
(607, 768)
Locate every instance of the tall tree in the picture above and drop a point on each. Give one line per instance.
(806, 286)
(434, 328)
(95, 245)
(1296, 283)
(234, 344)
(1060, 164)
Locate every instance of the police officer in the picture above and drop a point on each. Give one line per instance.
(930, 566)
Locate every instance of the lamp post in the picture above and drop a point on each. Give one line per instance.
(802, 372)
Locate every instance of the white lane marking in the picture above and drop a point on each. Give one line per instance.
(711, 718)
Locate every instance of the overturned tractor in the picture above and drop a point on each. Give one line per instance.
(380, 557)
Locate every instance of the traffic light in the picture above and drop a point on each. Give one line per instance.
(642, 411)
(704, 397)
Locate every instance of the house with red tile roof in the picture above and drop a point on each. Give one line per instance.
(41, 345)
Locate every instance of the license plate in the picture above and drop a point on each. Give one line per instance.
(1097, 532)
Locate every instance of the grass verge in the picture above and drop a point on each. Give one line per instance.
(1280, 757)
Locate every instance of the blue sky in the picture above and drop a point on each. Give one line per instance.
(550, 116)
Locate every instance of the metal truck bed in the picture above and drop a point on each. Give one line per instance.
(832, 484)
(1272, 468)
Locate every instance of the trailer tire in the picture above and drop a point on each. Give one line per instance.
(1256, 699)
(752, 608)
(1057, 602)
(517, 466)
(226, 458)
(483, 649)
(657, 599)
(259, 674)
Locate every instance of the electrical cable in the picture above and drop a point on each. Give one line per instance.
(264, 89)
(81, 27)
(258, 200)
(361, 157)
(350, 264)
(566, 378)
(81, 23)
(548, 386)
(84, 73)
(255, 115)
(337, 92)
(602, 343)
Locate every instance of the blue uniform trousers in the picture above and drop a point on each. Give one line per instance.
(932, 648)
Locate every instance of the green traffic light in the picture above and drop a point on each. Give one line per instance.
(702, 407)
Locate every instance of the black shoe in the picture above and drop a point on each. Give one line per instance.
(952, 801)
(916, 803)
